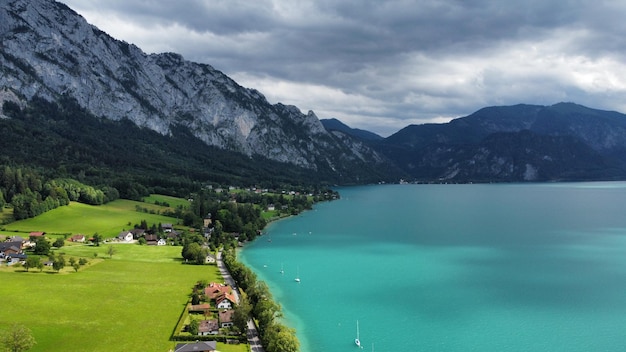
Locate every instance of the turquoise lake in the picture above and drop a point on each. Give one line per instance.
(515, 267)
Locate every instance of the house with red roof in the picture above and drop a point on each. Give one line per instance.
(214, 289)
(225, 301)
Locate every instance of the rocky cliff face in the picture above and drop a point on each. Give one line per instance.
(48, 50)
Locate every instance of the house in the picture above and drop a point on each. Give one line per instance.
(151, 240)
(271, 207)
(225, 301)
(200, 346)
(208, 220)
(167, 227)
(210, 259)
(215, 289)
(35, 235)
(226, 318)
(161, 242)
(137, 233)
(125, 236)
(78, 238)
(172, 235)
(208, 327)
(9, 248)
(15, 258)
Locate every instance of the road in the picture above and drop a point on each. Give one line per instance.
(253, 333)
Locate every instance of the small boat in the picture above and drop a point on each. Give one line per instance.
(357, 341)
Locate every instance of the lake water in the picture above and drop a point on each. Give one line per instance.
(522, 267)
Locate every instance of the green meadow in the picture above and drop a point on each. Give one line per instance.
(129, 302)
(107, 220)
(172, 201)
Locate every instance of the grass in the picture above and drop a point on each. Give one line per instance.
(172, 201)
(107, 220)
(131, 302)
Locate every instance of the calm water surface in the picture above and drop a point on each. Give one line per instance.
(538, 267)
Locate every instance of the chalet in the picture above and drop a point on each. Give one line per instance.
(78, 238)
(225, 301)
(35, 235)
(172, 235)
(125, 236)
(215, 289)
(226, 318)
(208, 327)
(137, 233)
(200, 346)
(151, 240)
(271, 207)
(9, 248)
(167, 227)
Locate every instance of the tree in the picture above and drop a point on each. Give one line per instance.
(242, 313)
(31, 262)
(40, 266)
(111, 251)
(58, 264)
(76, 266)
(58, 243)
(283, 340)
(193, 327)
(42, 246)
(97, 238)
(19, 338)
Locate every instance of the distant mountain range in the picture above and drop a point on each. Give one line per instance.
(103, 104)
(561, 142)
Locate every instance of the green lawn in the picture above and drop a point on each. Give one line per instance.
(172, 201)
(108, 220)
(131, 302)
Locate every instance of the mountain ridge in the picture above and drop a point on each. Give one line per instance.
(49, 51)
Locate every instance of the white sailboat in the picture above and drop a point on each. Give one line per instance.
(297, 279)
(357, 341)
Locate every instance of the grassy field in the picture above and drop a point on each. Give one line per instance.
(130, 302)
(172, 201)
(107, 220)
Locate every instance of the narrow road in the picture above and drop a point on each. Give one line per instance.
(252, 333)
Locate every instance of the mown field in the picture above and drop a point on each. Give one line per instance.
(130, 302)
(107, 220)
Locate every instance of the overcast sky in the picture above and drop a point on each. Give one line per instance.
(382, 65)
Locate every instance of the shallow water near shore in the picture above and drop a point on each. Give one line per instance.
(517, 267)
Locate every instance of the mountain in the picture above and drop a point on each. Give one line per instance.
(50, 52)
(561, 142)
(336, 125)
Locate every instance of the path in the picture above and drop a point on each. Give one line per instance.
(253, 334)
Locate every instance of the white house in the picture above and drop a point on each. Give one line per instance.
(161, 242)
(225, 301)
(125, 236)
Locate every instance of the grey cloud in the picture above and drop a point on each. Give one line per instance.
(412, 59)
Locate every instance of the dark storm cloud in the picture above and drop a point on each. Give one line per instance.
(381, 65)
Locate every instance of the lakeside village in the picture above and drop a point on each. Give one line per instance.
(215, 311)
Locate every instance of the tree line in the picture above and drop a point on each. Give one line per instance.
(257, 302)
(30, 193)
